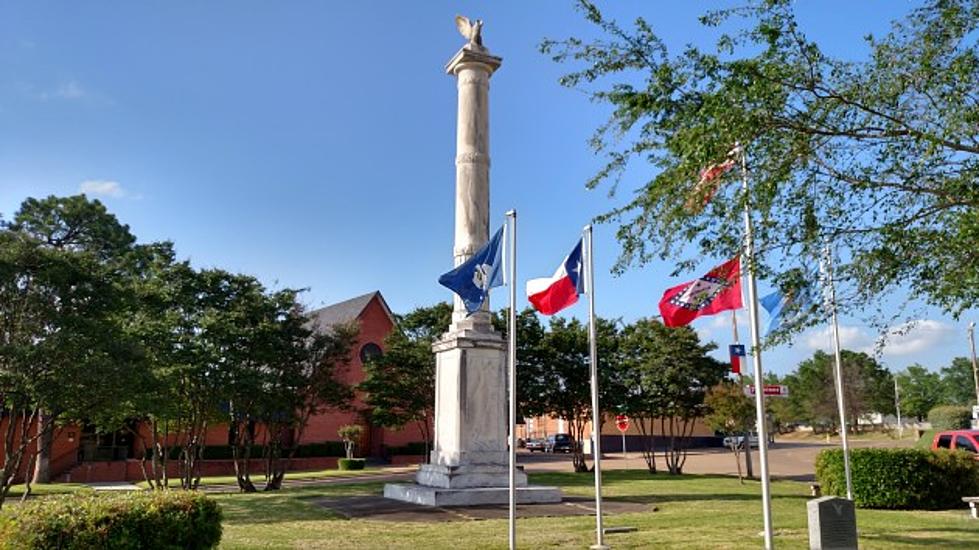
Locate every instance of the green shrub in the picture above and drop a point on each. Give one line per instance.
(177, 520)
(950, 417)
(924, 442)
(326, 448)
(351, 463)
(904, 479)
(413, 448)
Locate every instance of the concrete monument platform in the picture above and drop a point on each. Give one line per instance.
(473, 496)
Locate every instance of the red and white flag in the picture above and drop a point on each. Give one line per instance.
(709, 182)
(550, 295)
(719, 290)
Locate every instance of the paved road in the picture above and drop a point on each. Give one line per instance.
(786, 459)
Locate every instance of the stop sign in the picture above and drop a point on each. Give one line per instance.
(622, 422)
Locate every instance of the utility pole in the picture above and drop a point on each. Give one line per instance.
(897, 405)
(972, 344)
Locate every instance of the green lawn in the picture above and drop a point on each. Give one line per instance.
(47, 489)
(259, 480)
(693, 512)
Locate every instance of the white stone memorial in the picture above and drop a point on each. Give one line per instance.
(469, 462)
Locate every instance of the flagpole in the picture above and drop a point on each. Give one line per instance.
(596, 425)
(748, 468)
(766, 493)
(838, 373)
(512, 364)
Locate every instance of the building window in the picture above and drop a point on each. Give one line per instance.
(370, 351)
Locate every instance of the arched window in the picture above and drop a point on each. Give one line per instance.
(370, 351)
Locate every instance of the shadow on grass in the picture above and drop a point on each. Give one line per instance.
(927, 541)
(609, 477)
(693, 497)
(288, 505)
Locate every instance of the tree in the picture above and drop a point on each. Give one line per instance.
(554, 372)
(667, 372)
(732, 413)
(399, 385)
(877, 155)
(64, 353)
(350, 434)
(867, 387)
(920, 390)
(958, 383)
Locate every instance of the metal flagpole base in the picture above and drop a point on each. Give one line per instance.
(599, 547)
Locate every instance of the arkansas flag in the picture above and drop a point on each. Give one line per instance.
(719, 290)
(550, 295)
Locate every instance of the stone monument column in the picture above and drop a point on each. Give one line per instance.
(469, 461)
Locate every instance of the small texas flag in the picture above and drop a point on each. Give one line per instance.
(737, 352)
(550, 295)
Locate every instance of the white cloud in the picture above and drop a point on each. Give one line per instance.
(918, 336)
(69, 90)
(852, 338)
(905, 339)
(107, 188)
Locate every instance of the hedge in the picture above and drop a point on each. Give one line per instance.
(224, 452)
(413, 448)
(168, 520)
(950, 417)
(901, 479)
(351, 464)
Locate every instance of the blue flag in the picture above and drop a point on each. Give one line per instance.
(473, 279)
(787, 308)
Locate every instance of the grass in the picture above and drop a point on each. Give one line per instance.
(47, 489)
(693, 512)
(258, 477)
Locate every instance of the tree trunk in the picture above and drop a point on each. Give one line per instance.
(42, 465)
(749, 468)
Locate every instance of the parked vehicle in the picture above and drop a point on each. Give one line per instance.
(738, 440)
(559, 443)
(537, 445)
(963, 440)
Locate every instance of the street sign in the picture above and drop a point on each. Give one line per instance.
(622, 422)
(771, 390)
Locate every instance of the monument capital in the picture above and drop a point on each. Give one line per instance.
(467, 57)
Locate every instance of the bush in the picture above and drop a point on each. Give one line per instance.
(326, 448)
(413, 448)
(351, 463)
(924, 442)
(950, 417)
(166, 520)
(903, 479)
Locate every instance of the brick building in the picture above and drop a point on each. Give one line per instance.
(80, 454)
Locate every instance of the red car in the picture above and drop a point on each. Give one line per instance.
(963, 440)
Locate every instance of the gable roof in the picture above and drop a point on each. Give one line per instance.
(347, 310)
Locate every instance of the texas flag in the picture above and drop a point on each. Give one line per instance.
(718, 290)
(550, 295)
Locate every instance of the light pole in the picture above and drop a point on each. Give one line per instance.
(972, 344)
(897, 405)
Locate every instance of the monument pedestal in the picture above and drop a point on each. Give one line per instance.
(469, 464)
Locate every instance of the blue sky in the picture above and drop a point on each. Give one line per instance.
(311, 143)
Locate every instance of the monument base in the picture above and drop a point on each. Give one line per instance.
(474, 496)
(469, 476)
